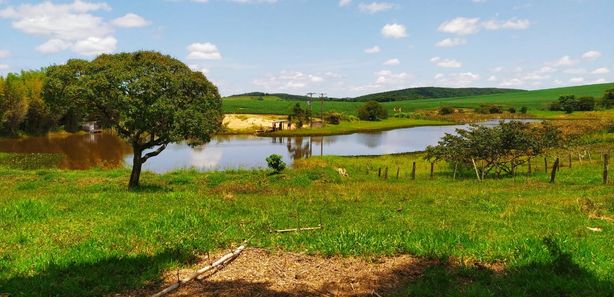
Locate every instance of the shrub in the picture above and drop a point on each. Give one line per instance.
(446, 110)
(511, 110)
(585, 104)
(489, 109)
(554, 106)
(372, 111)
(333, 117)
(524, 110)
(608, 99)
(276, 163)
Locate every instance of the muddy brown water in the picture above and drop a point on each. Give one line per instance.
(82, 151)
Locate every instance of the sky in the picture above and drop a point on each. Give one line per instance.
(343, 48)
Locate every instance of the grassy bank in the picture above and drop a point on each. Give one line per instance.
(346, 127)
(81, 233)
(534, 100)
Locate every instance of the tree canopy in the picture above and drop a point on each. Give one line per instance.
(150, 99)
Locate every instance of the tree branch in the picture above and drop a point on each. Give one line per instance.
(154, 153)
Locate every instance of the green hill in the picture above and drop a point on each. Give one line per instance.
(431, 93)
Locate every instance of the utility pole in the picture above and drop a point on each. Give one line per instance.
(310, 95)
(322, 96)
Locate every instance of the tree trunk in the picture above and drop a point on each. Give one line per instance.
(137, 163)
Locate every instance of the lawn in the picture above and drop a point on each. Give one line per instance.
(535, 100)
(81, 233)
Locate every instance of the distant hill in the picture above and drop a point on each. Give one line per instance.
(398, 95)
(432, 93)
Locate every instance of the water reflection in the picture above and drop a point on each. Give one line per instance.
(227, 151)
(80, 151)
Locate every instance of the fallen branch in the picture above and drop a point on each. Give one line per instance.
(297, 229)
(221, 261)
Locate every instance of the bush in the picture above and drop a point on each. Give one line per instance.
(608, 99)
(585, 104)
(446, 110)
(276, 163)
(511, 110)
(489, 109)
(372, 111)
(554, 106)
(333, 117)
(524, 110)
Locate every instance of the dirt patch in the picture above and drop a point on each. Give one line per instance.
(258, 272)
(242, 122)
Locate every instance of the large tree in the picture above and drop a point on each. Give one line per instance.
(150, 99)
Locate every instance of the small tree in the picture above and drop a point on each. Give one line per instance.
(524, 110)
(333, 117)
(276, 163)
(150, 99)
(511, 110)
(608, 99)
(445, 110)
(372, 111)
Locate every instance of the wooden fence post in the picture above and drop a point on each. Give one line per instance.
(413, 170)
(398, 170)
(475, 167)
(554, 170)
(432, 170)
(606, 160)
(379, 172)
(386, 173)
(529, 164)
(455, 169)
(546, 164)
(570, 157)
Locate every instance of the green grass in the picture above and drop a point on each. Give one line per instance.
(534, 100)
(346, 127)
(81, 233)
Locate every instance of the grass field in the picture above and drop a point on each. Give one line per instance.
(535, 100)
(81, 233)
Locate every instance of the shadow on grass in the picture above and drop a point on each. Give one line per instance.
(558, 277)
(111, 275)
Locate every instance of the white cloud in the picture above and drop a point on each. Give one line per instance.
(576, 80)
(601, 70)
(4, 54)
(375, 7)
(599, 81)
(492, 78)
(373, 50)
(394, 31)
(343, 3)
(575, 71)
(288, 80)
(131, 20)
(67, 26)
(4, 67)
(241, 1)
(512, 24)
(462, 79)
(392, 62)
(446, 63)
(461, 26)
(198, 68)
(591, 55)
(53, 46)
(95, 46)
(451, 42)
(468, 26)
(203, 51)
(511, 82)
(564, 61)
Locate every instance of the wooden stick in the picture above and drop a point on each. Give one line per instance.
(475, 167)
(455, 169)
(386, 173)
(529, 164)
(398, 170)
(546, 164)
(554, 170)
(225, 259)
(379, 172)
(413, 171)
(570, 157)
(432, 170)
(606, 160)
(298, 229)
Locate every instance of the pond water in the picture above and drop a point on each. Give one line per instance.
(225, 152)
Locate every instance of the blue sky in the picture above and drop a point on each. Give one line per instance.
(340, 47)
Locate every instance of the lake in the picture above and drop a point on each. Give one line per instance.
(226, 151)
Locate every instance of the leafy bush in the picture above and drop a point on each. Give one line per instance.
(333, 117)
(403, 115)
(446, 110)
(372, 111)
(570, 104)
(554, 106)
(489, 109)
(501, 148)
(524, 110)
(608, 99)
(276, 163)
(511, 110)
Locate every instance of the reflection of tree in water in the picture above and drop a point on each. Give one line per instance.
(298, 147)
(371, 140)
(80, 151)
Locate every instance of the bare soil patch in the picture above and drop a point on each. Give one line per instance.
(258, 272)
(242, 122)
